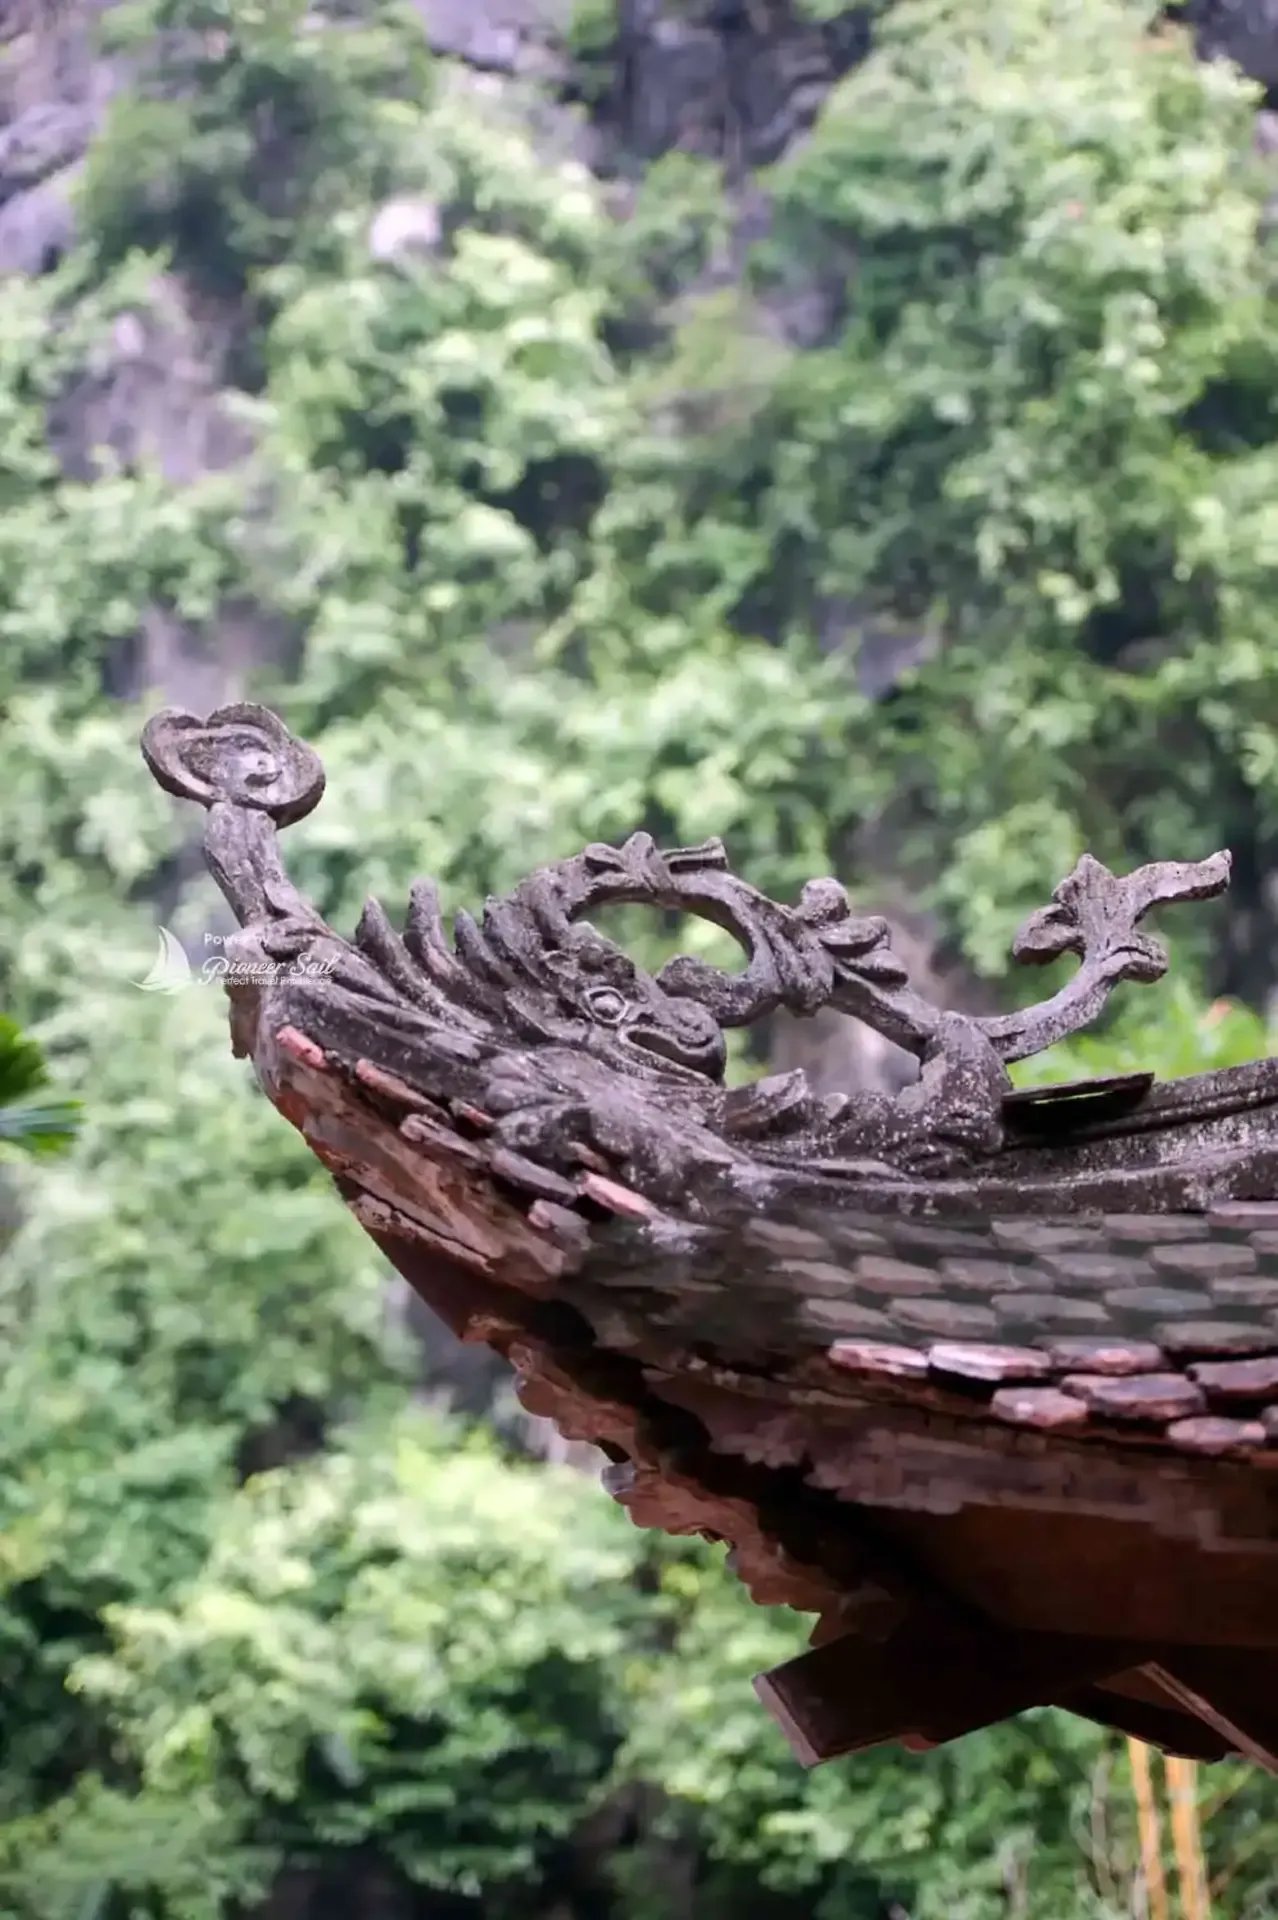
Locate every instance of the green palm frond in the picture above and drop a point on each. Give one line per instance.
(31, 1119)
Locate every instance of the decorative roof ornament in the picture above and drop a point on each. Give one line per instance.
(919, 1359)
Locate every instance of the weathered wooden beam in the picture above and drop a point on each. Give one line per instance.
(938, 1676)
(1236, 1694)
(1167, 1727)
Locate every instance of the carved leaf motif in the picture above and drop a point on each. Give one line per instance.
(857, 945)
(1096, 914)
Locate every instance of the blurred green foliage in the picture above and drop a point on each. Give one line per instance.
(545, 587)
(1171, 1032)
(33, 1119)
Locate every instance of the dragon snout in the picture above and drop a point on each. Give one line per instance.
(688, 1036)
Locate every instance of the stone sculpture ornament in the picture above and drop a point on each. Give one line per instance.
(557, 1033)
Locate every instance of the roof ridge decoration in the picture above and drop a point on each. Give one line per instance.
(987, 1380)
(580, 1041)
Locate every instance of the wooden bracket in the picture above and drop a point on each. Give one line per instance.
(943, 1673)
(1234, 1691)
(940, 1674)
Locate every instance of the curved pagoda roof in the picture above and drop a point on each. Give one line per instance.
(986, 1380)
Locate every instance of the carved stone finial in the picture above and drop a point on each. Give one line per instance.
(244, 766)
(243, 755)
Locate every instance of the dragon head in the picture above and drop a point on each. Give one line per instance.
(627, 1012)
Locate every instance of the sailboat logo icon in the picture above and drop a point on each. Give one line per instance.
(170, 970)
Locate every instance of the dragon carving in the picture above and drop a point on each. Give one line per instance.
(533, 1015)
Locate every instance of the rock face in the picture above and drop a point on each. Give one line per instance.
(734, 81)
(499, 36)
(723, 78)
(718, 78)
(155, 392)
(1244, 31)
(54, 88)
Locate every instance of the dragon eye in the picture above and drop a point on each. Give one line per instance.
(607, 1005)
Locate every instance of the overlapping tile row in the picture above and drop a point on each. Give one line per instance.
(1141, 1327)
(1136, 1325)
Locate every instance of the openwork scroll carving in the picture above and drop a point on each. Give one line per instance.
(569, 1046)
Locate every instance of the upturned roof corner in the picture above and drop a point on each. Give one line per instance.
(986, 1380)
